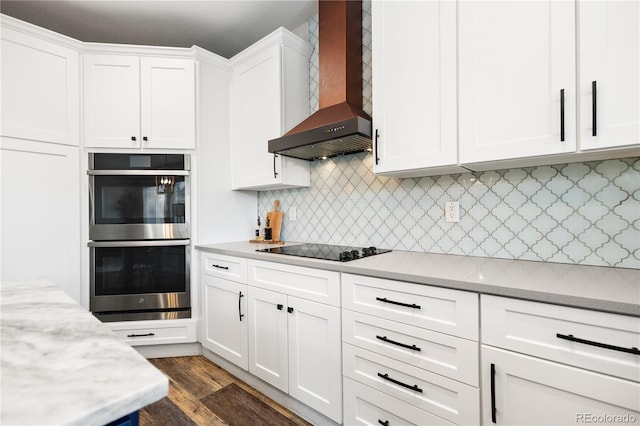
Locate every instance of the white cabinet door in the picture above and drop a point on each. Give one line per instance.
(111, 101)
(315, 360)
(609, 43)
(225, 319)
(531, 391)
(268, 358)
(516, 70)
(133, 102)
(414, 69)
(167, 102)
(40, 89)
(269, 95)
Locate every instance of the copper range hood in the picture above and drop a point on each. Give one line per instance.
(340, 126)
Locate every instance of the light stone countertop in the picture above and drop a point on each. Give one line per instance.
(61, 365)
(599, 288)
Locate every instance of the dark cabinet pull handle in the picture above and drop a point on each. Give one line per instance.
(594, 107)
(397, 382)
(376, 148)
(561, 115)
(240, 314)
(385, 300)
(144, 138)
(279, 306)
(133, 138)
(289, 309)
(393, 342)
(632, 350)
(275, 174)
(141, 335)
(219, 267)
(493, 393)
(383, 422)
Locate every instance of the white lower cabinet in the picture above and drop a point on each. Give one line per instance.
(294, 342)
(553, 365)
(143, 333)
(225, 322)
(410, 353)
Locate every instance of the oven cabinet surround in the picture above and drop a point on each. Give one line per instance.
(415, 127)
(532, 376)
(410, 353)
(269, 96)
(133, 101)
(294, 333)
(511, 89)
(223, 281)
(39, 154)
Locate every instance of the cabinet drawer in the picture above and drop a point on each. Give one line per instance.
(446, 398)
(308, 283)
(155, 335)
(440, 353)
(366, 406)
(544, 330)
(227, 267)
(447, 311)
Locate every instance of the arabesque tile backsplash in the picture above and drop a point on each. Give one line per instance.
(582, 213)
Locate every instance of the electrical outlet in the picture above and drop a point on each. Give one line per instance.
(452, 211)
(293, 214)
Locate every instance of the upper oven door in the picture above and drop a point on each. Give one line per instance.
(138, 205)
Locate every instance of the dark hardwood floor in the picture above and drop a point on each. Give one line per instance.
(201, 393)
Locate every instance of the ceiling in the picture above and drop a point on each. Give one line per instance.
(224, 27)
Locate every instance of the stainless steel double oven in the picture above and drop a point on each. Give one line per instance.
(140, 236)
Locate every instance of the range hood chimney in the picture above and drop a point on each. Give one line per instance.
(340, 126)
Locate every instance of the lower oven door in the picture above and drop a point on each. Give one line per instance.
(137, 280)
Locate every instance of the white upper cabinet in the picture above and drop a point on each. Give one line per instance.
(139, 102)
(40, 86)
(269, 96)
(414, 90)
(609, 51)
(516, 71)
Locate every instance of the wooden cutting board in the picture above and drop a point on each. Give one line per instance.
(275, 219)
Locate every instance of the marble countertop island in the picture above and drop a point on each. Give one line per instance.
(599, 288)
(61, 365)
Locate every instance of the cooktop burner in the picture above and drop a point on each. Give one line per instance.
(326, 251)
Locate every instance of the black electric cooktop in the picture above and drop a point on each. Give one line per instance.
(326, 251)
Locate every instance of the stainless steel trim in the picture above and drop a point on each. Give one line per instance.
(154, 243)
(141, 316)
(138, 172)
(138, 231)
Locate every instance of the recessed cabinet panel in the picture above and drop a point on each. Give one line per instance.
(531, 391)
(516, 75)
(112, 100)
(414, 70)
(609, 40)
(225, 319)
(40, 89)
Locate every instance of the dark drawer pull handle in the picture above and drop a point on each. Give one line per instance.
(140, 335)
(632, 350)
(393, 302)
(393, 342)
(219, 267)
(240, 314)
(383, 422)
(561, 115)
(397, 382)
(279, 306)
(290, 309)
(594, 107)
(493, 393)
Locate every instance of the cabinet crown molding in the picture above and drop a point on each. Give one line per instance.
(280, 35)
(36, 31)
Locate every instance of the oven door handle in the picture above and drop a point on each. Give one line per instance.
(138, 172)
(146, 243)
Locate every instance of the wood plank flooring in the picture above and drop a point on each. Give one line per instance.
(202, 393)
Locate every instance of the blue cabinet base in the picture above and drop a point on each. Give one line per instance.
(129, 420)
